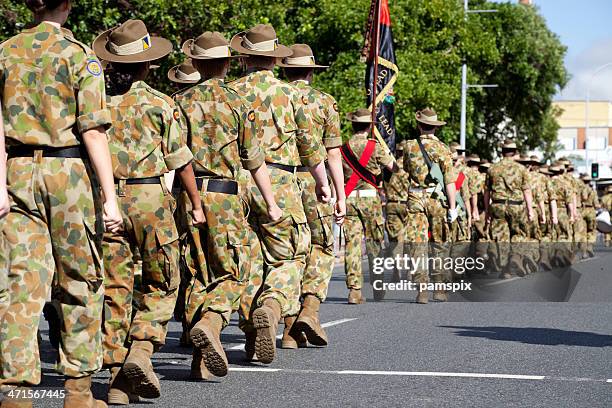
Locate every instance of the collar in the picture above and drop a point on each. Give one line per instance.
(361, 135)
(46, 27)
(300, 83)
(432, 137)
(261, 71)
(214, 81)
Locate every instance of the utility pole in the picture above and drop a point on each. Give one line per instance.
(464, 84)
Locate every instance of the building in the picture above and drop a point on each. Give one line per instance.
(573, 138)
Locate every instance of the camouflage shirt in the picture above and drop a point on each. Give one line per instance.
(52, 88)
(476, 181)
(415, 165)
(606, 201)
(145, 140)
(507, 179)
(460, 167)
(396, 189)
(324, 113)
(588, 197)
(380, 158)
(542, 183)
(562, 191)
(280, 115)
(218, 130)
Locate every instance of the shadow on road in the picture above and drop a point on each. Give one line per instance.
(535, 335)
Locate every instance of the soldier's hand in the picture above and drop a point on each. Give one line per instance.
(476, 216)
(339, 211)
(543, 219)
(531, 215)
(113, 222)
(323, 193)
(198, 219)
(275, 213)
(4, 203)
(555, 221)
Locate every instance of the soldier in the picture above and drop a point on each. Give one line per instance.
(279, 112)
(590, 203)
(563, 195)
(145, 143)
(223, 141)
(396, 192)
(508, 204)
(579, 226)
(53, 101)
(184, 74)
(431, 205)
(547, 217)
(299, 70)
(364, 217)
(606, 203)
(461, 230)
(532, 250)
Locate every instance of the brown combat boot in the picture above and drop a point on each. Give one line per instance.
(266, 320)
(198, 368)
(206, 336)
(422, 297)
(355, 297)
(249, 344)
(78, 394)
(139, 370)
(292, 338)
(308, 321)
(440, 296)
(16, 397)
(120, 391)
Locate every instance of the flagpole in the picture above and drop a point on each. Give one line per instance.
(375, 79)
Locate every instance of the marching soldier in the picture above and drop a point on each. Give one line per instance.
(57, 155)
(547, 216)
(481, 226)
(590, 203)
(396, 192)
(279, 112)
(430, 204)
(563, 195)
(461, 230)
(364, 217)
(508, 204)
(223, 141)
(532, 249)
(606, 203)
(145, 143)
(299, 70)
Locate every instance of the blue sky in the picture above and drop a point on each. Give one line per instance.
(585, 27)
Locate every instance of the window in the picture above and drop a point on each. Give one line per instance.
(567, 138)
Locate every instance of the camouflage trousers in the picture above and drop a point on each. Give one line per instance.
(562, 255)
(580, 230)
(320, 259)
(219, 257)
(55, 207)
(396, 225)
(429, 237)
(284, 243)
(509, 233)
(481, 233)
(364, 219)
(139, 308)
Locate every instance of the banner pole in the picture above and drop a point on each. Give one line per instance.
(374, 91)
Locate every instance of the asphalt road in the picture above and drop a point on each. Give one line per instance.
(397, 353)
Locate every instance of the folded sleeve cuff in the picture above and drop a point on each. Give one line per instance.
(253, 161)
(93, 120)
(450, 177)
(178, 158)
(332, 142)
(314, 158)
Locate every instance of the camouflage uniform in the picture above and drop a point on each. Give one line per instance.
(580, 227)
(506, 181)
(364, 217)
(396, 191)
(562, 251)
(220, 257)
(428, 222)
(52, 90)
(145, 142)
(460, 231)
(606, 202)
(590, 202)
(320, 259)
(279, 113)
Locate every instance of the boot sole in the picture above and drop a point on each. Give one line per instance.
(144, 386)
(308, 328)
(265, 342)
(213, 359)
(118, 400)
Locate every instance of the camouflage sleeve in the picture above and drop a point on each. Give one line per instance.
(383, 157)
(251, 154)
(332, 137)
(474, 183)
(176, 152)
(445, 161)
(524, 179)
(90, 95)
(594, 198)
(310, 149)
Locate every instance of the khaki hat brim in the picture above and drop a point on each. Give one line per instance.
(351, 118)
(160, 47)
(186, 49)
(430, 122)
(282, 65)
(280, 52)
(173, 78)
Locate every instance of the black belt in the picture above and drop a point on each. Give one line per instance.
(146, 180)
(508, 202)
(218, 186)
(72, 152)
(290, 169)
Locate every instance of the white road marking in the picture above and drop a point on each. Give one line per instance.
(256, 369)
(324, 325)
(444, 374)
(609, 380)
(586, 260)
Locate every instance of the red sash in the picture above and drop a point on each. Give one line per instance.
(359, 166)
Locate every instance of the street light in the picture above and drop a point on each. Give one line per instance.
(586, 111)
(464, 83)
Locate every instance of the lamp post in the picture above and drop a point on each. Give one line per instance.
(586, 112)
(464, 83)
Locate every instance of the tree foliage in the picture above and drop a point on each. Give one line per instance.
(512, 48)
